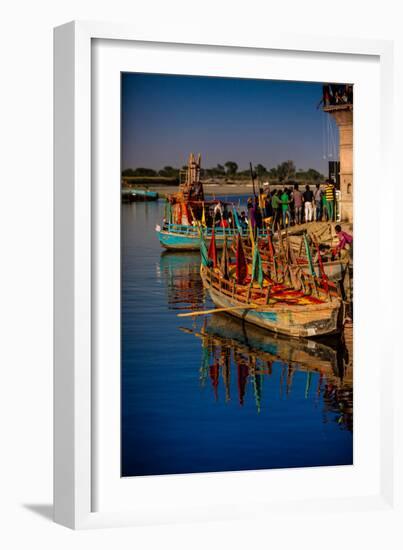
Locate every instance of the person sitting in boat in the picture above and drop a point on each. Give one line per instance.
(324, 250)
(217, 210)
(225, 218)
(345, 247)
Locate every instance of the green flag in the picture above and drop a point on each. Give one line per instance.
(257, 271)
(203, 251)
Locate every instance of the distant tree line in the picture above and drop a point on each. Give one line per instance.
(285, 171)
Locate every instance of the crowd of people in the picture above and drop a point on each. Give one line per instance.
(291, 206)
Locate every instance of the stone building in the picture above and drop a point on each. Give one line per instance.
(343, 115)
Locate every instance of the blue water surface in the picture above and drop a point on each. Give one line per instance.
(209, 394)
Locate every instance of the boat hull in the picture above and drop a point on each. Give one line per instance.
(299, 321)
(188, 237)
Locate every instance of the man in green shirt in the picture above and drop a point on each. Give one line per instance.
(285, 201)
(276, 205)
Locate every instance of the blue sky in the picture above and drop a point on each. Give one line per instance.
(165, 117)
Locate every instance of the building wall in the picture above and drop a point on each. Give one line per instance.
(344, 120)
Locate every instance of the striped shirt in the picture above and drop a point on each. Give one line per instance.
(329, 192)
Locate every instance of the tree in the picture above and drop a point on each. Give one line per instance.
(144, 172)
(286, 170)
(313, 174)
(231, 167)
(128, 173)
(168, 172)
(260, 170)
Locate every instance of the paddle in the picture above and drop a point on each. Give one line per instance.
(221, 309)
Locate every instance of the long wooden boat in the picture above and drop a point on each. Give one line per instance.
(275, 307)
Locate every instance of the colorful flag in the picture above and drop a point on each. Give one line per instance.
(238, 225)
(241, 265)
(203, 220)
(203, 251)
(212, 251)
(309, 256)
(224, 260)
(257, 271)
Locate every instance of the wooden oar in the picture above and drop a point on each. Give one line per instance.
(221, 309)
(216, 310)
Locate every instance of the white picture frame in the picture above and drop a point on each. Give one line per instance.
(77, 386)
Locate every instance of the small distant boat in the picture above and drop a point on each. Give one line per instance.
(138, 195)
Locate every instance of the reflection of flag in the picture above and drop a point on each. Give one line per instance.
(257, 271)
(224, 260)
(241, 266)
(243, 372)
(212, 251)
(214, 376)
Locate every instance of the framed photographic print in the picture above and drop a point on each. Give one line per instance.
(209, 196)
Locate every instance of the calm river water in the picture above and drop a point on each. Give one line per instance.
(213, 394)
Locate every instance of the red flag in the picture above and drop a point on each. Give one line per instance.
(212, 250)
(241, 266)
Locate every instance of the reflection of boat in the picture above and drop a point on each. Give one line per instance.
(227, 342)
(180, 272)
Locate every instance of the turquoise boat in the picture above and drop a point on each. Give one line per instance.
(187, 237)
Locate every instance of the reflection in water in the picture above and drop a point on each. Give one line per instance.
(253, 354)
(180, 272)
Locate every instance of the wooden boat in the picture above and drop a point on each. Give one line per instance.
(187, 237)
(188, 215)
(276, 307)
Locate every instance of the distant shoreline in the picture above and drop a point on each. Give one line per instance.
(211, 189)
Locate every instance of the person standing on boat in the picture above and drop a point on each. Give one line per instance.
(251, 213)
(329, 192)
(285, 207)
(317, 195)
(258, 213)
(345, 246)
(297, 198)
(308, 200)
